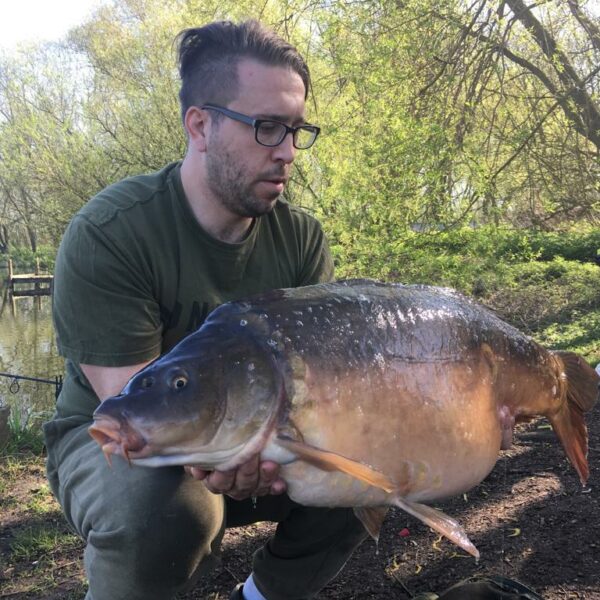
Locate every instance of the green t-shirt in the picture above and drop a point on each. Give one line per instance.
(136, 272)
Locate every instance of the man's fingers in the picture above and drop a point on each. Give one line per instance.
(269, 472)
(269, 481)
(253, 478)
(196, 472)
(278, 487)
(246, 480)
(220, 482)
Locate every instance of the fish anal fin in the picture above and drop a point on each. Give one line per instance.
(329, 461)
(372, 518)
(439, 521)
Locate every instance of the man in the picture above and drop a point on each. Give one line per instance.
(140, 266)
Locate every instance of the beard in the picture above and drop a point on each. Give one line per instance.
(232, 187)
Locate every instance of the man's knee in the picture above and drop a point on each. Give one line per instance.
(155, 550)
(147, 530)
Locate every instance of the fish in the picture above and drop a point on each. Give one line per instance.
(368, 394)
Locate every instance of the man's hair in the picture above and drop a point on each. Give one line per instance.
(209, 56)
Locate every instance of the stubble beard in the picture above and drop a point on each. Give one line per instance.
(228, 184)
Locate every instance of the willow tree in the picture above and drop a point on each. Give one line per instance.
(49, 163)
(432, 117)
(522, 83)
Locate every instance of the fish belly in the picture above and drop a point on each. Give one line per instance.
(432, 428)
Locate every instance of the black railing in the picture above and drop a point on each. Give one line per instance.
(15, 386)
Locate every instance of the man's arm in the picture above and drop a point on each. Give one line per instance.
(109, 381)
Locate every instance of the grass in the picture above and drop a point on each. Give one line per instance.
(25, 432)
(39, 556)
(40, 542)
(41, 501)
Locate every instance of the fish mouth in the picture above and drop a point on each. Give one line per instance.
(117, 437)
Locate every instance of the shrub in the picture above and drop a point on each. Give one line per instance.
(24, 259)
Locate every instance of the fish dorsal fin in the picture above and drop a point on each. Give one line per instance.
(439, 521)
(329, 461)
(372, 518)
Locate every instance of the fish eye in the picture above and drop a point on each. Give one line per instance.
(179, 382)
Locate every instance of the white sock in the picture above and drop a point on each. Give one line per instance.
(250, 591)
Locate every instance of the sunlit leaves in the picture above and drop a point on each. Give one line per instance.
(434, 115)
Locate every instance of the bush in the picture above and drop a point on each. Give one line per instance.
(545, 284)
(24, 259)
(570, 245)
(535, 295)
(25, 432)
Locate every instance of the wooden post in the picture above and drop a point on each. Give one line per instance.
(10, 287)
(10, 271)
(4, 299)
(36, 286)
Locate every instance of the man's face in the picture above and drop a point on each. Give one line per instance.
(244, 176)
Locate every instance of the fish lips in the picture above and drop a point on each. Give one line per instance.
(117, 437)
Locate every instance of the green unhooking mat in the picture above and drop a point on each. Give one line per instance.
(484, 588)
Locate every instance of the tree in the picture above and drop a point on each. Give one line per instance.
(434, 115)
(534, 109)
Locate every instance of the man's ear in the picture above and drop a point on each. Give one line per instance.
(195, 123)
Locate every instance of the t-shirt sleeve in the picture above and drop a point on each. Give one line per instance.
(318, 262)
(104, 309)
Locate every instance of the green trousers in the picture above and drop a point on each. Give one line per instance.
(150, 533)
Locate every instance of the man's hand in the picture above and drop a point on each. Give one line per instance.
(253, 478)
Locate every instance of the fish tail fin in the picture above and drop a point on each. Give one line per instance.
(581, 391)
(582, 381)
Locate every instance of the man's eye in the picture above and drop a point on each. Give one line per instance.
(269, 127)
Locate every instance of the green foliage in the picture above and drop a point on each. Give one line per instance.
(538, 294)
(423, 124)
(523, 275)
(579, 333)
(24, 259)
(26, 434)
(578, 245)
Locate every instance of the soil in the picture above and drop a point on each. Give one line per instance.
(530, 519)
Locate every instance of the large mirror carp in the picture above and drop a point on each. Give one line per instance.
(369, 394)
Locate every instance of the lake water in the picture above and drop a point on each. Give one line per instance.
(28, 348)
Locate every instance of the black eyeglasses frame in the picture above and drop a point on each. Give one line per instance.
(256, 123)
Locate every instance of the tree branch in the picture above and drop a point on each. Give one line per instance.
(588, 25)
(589, 114)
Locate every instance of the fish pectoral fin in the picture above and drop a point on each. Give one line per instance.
(439, 521)
(372, 518)
(329, 461)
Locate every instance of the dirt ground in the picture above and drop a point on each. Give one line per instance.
(530, 519)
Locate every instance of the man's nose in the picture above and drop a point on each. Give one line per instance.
(285, 152)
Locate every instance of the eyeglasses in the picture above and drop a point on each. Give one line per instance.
(272, 133)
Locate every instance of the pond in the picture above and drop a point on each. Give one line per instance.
(27, 348)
